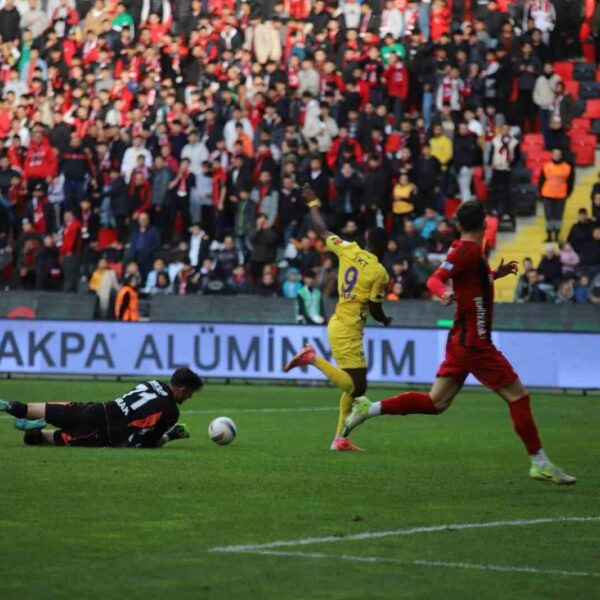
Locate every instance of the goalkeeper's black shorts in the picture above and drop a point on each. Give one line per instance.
(79, 424)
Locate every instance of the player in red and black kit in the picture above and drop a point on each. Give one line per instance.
(469, 348)
(145, 417)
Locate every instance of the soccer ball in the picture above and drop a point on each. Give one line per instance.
(222, 431)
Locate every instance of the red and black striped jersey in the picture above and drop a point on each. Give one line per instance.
(473, 285)
(141, 416)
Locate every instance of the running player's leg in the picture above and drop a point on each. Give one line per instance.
(494, 371)
(517, 398)
(359, 379)
(341, 350)
(439, 398)
(449, 380)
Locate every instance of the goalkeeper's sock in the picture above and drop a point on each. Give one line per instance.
(16, 409)
(524, 425)
(345, 407)
(335, 375)
(408, 403)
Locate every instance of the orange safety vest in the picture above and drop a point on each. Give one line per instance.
(557, 175)
(132, 312)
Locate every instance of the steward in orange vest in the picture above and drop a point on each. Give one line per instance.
(556, 185)
(126, 304)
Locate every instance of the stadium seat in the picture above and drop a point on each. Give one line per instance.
(589, 51)
(589, 90)
(584, 149)
(581, 124)
(450, 207)
(480, 187)
(579, 107)
(538, 158)
(533, 139)
(592, 109)
(584, 71)
(525, 197)
(572, 87)
(520, 175)
(564, 68)
(536, 171)
(106, 237)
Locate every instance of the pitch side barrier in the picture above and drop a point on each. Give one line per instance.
(259, 351)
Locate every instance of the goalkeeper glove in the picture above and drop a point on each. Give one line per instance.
(178, 432)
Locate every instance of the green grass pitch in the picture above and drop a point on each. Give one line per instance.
(139, 524)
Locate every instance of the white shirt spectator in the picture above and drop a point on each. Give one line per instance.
(130, 160)
(229, 131)
(196, 153)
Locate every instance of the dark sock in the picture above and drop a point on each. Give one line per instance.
(17, 409)
(548, 235)
(33, 437)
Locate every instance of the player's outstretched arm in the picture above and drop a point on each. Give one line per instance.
(510, 268)
(314, 205)
(376, 311)
(179, 431)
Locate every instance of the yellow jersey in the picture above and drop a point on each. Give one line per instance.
(362, 278)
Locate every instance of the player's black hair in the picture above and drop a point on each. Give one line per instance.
(471, 216)
(186, 378)
(377, 241)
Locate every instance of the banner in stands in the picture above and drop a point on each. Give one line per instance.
(565, 360)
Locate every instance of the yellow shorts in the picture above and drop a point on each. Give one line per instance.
(346, 345)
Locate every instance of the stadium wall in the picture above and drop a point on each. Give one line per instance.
(259, 351)
(253, 309)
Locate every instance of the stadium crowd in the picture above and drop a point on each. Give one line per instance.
(156, 147)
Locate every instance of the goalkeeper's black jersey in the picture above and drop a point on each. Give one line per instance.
(142, 416)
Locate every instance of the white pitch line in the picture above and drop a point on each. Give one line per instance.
(428, 563)
(398, 532)
(300, 409)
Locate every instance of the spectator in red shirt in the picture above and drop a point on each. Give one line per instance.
(70, 251)
(40, 162)
(396, 78)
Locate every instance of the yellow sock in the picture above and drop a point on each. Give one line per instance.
(335, 375)
(345, 408)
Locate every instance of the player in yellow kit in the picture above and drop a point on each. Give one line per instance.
(362, 280)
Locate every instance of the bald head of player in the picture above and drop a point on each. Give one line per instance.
(184, 383)
(471, 218)
(377, 240)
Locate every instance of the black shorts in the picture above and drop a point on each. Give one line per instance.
(79, 424)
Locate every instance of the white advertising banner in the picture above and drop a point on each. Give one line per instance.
(564, 360)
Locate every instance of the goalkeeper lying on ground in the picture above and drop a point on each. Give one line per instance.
(145, 417)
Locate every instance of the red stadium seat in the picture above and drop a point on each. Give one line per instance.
(533, 139)
(584, 157)
(581, 123)
(537, 159)
(589, 52)
(564, 68)
(584, 149)
(572, 87)
(479, 185)
(536, 171)
(450, 207)
(106, 237)
(592, 109)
